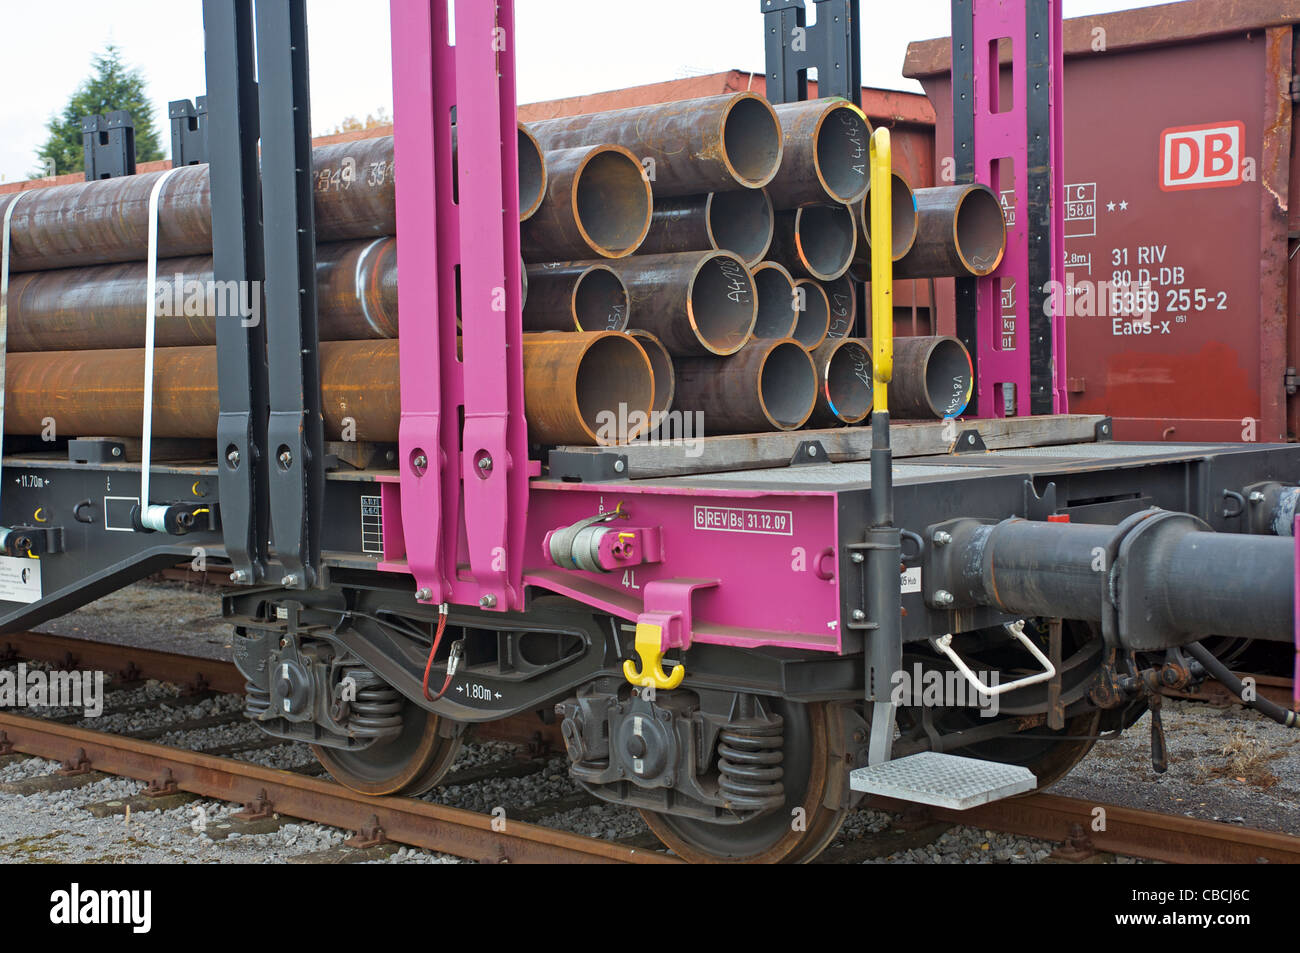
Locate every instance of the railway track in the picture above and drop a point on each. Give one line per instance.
(1123, 830)
(404, 820)
(476, 836)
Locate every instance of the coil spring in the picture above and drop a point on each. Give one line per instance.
(256, 701)
(376, 712)
(749, 765)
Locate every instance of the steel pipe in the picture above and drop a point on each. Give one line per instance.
(959, 231)
(598, 201)
(769, 385)
(103, 306)
(570, 379)
(106, 221)
(903, 218)
(932, 378)
(90, 223)
(696, 303)
(813, 324)
(844, 392)
(354, 189)
(842, 296)
(575, 296)
(715, 144)
(661, 362)
(777, 316)
(532, 170)
(585, 388)
(532, 174)
(101, 393)
(739, 222)
(825, 162)
(817, 241)
(356, 194)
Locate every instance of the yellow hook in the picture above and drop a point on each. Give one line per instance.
(649, 645)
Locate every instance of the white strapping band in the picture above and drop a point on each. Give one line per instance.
(152, 517)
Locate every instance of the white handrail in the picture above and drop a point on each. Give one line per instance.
(1016, 629)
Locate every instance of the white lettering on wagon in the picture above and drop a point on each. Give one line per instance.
(726, 519)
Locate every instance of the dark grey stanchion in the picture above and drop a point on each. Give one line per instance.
(294, 431)
(831, 45)
(237, 256)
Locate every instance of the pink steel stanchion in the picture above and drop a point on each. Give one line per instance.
(417, 498)
(439, 490)
(1003, 338)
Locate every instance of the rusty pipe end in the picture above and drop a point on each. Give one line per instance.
(902, 202)
(532, 174)
(933, 377)
(825, 240)
(741, 222)
(842, 139)
(751, 139)
(722, 303)
(592, 388)
(813, 305)
(787, 384)
(844, 384)
(661, 362)
(777, 316)
(612, 202)
(600, 300)
(979, 230)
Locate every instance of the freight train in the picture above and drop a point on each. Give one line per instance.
(445, 533)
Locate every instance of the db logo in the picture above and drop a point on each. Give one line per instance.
(1201, 157)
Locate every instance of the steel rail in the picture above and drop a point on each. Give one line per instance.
(128, 661)
(416, 823)
(1135, 833)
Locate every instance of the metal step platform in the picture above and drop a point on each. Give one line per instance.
(943, 780)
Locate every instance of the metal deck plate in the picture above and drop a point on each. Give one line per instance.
(944, 780)
(831, 474)
(1106, 451)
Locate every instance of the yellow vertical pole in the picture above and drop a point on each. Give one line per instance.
(882, 269)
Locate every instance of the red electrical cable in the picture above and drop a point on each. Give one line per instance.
(437, 640)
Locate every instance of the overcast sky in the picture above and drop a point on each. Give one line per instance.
(566, 47)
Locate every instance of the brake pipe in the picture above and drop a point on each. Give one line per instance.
(1225, 677)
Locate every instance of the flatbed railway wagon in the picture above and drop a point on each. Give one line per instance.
(726, 628)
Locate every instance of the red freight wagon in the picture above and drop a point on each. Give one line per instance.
(1181, 205)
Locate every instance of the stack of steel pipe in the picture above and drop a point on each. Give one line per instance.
(750, 257)
(692, 256)
(77, 297)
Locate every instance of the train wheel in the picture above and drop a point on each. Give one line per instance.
(411, 763)
(813, 774)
